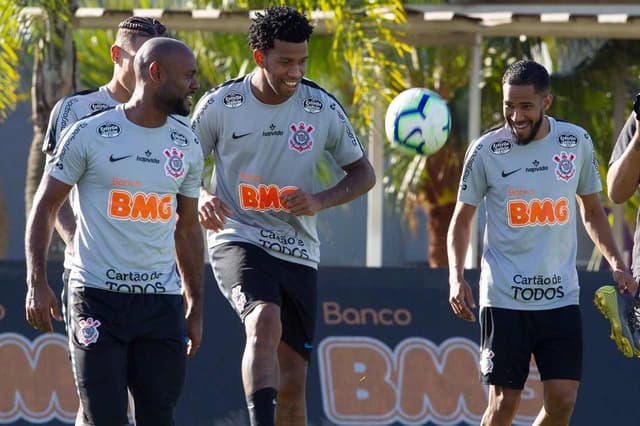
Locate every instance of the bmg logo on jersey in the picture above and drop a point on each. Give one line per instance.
(536, 212)
(140, 206)
(263, 197)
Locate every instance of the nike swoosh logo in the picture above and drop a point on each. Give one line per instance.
(234, 136)
(505, 174)
(114, 159)
(308, 346)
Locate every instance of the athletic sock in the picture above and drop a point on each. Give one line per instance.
(262, 407)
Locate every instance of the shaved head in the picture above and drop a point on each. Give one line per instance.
(165, 70)
(163, 51)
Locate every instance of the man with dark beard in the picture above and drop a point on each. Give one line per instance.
(135, 286)
(529, 172)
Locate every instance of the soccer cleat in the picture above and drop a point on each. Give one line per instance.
(623, 312)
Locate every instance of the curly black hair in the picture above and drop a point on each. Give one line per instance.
(147, 27)
(278, 23)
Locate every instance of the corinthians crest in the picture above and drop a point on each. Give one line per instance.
(565, 169)
(174, 166)
(300, 140)
(88, 331)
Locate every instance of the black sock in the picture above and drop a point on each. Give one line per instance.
(262, 407)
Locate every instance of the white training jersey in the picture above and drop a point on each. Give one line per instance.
(530, 242)
(67, 111)
(127, 178)
(262, 151)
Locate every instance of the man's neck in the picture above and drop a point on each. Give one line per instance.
(144, 114)
(117, 91)
(262, 90)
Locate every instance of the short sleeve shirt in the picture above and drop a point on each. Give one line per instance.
(67, 111)
(127, 178)
(530, 242)
(262, 151)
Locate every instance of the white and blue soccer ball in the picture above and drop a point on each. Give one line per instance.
(418, 120)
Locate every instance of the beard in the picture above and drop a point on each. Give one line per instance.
(172, 105)
(178, 105)
(180, 108)
(535, 127)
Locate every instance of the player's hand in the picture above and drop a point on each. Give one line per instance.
(212, 212)
(301, 203)
(461, 299)
(625, 281)
(194, 331)
(40, 305)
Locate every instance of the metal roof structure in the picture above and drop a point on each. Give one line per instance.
(428, 24)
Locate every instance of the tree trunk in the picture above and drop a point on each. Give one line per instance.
(439, 219)
(53, 77)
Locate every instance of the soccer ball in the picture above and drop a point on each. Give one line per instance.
(418, 121)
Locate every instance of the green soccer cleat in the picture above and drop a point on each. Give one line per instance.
(622, 311)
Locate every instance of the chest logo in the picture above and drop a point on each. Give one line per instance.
(179, 139)
(114, 159)
(109, 130)
(501, 147)
(510, 172)
(98, 106)
(233, 100)
(174, 166)
(300, 139)
(567, 140)
(538, 212)
(565, 167)
(312, 105)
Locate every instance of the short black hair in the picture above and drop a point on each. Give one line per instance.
(278, 23)
(526, 72)
(142, 26)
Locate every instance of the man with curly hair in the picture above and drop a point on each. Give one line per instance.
(267, 132)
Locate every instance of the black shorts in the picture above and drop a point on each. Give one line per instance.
(509, 337)
(248, 276)
(119, 341)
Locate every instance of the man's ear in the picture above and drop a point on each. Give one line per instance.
(115, 53)
(258, 57)
(547, 100)
(155, 72)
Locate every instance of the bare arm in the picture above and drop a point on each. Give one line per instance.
(597, 226)
(190, 260)
(360, 178)
(40, 299)
(66, 223)
(624, 174)
(460, 294)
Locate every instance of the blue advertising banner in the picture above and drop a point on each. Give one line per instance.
(389, 351)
